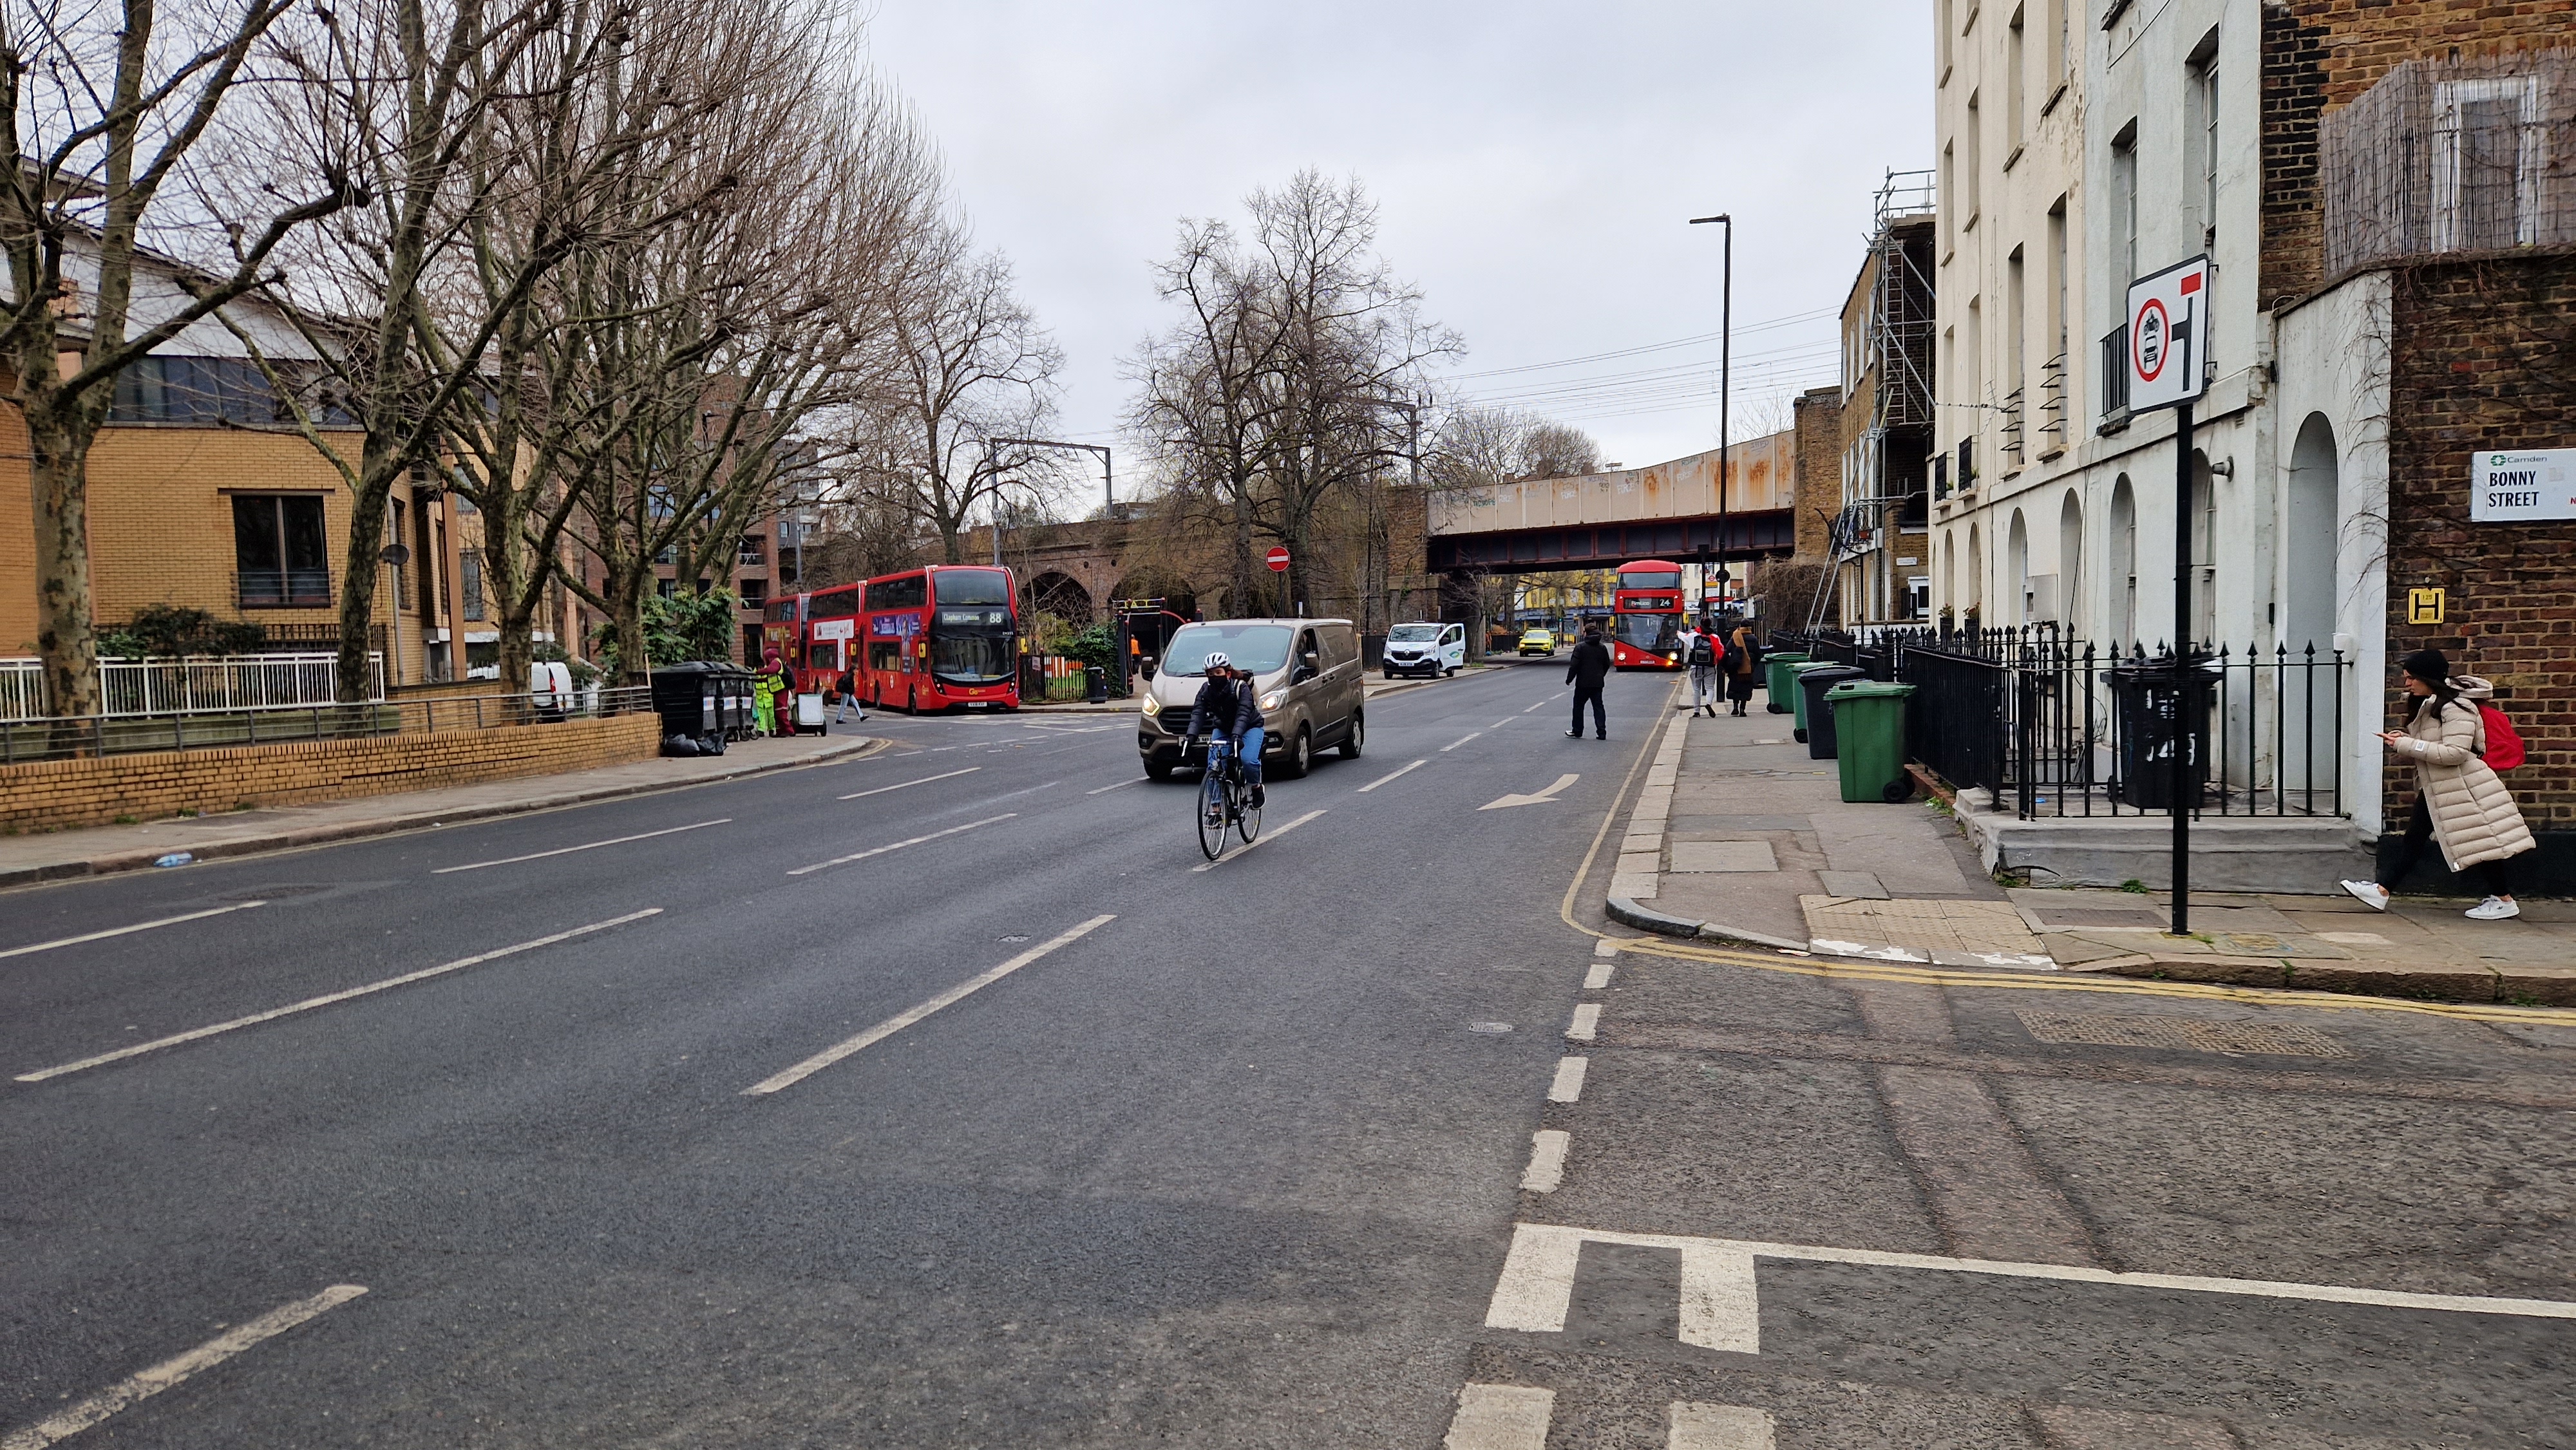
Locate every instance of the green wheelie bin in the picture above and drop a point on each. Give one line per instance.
(1775, 679)
(1869, 723)
(1798, 693)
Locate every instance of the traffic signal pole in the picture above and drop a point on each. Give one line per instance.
(2184, 674)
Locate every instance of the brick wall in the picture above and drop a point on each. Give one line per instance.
(95, 792)
(2484, 357)
(1818, 495)
(2319, 54)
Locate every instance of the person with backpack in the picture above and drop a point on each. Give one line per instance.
(1701, 649)
(2457, 742)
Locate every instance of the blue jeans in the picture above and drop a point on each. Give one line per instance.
(1249, 754)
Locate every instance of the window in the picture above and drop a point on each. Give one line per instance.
(2059, 326)
(753, 551)
(667, 588)
(1970, 181)
(908, 591)
(839, 604)
(469, 574)
(972, 586)
(2015, 66)
(1946, 11)
(2486, 163)
(213, 390)
(394, 536)
(2203, 112)
(2124, 209)
(753, 592)
(279, 556)
(2061, 47)
(2017, 324)
(1949, 198)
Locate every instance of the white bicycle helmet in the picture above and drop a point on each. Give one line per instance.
(1216, 660)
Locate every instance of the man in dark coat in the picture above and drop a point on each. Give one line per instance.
(1589, 666)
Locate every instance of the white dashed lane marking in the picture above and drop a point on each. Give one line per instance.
(1568, 1086)
(1383, 779)
(899, 845)
(1500, 1417)
(908, 784)
(1547, 1160)
(1265, 840)
(1461, 740)
(144, 1384)
(589, 846)
(73, 941)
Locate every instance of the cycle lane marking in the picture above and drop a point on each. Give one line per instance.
(144, 1384)
(899, 845)
(73, 941)
(1266, 838)
(589, 846)
(332, 998)
(901, 1020)
(903, 785)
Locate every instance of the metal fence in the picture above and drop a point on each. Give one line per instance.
(88, 735)
(2056, 727)
(165, 686)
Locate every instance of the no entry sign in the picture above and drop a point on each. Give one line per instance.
(2167, 324)
(1279, 561)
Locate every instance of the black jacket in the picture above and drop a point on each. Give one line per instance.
(1589, 666)
(1225, 705)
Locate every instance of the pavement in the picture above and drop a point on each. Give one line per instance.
(1741, 837)
(947, 1096)
(103, 850)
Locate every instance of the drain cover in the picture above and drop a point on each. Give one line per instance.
(1489, 1027)
(2191, 1034)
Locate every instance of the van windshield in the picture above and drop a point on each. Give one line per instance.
(1414, 633)
(1259, 648)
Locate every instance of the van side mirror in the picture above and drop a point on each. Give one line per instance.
(1307, 668)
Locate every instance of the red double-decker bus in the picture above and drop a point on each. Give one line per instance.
(1646, 629)
(939, 638)
(814, 632)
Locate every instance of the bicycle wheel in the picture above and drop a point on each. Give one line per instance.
(1211, 813)
(1247, 818)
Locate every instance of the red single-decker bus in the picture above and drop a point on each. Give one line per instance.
(1646, 628)
(942, 637)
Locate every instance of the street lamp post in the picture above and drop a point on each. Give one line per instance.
(1725, 389)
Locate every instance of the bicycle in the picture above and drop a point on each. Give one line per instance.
(1225, 800)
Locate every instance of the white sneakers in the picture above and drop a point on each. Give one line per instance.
(2494, 908)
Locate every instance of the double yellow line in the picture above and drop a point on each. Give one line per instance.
(1680, 950)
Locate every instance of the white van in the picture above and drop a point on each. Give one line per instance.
(1425, 647)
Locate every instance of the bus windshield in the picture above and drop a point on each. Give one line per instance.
(1259, 648)
(1661, 633)
(1650, 579)
(1414, 633)
(971, 586)
(971, 659)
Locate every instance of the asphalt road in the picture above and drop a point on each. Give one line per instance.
(1234, 1167)
(1242, 1164)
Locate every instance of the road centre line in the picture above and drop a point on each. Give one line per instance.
(925, 780)
(1500, 1417)
(1122, 785)
(593, 846)
(904, 1019)
(1454, 744)
(1567, 1087)
(899, 845)
(144, 1384)
(1720, 1308)
(333, 998)
(1383, 779)
(73, 941)
(1251, 846)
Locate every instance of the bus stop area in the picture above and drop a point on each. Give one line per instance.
(1744, 838)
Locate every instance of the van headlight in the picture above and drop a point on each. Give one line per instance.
(1274, 699)
(1145, 704)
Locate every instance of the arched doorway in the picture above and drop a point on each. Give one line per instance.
(2124, 564)
(2017, 571)
(1976, 575)
(1062, 596)
(2310, 535)
(2070, 564)
(1949, 574)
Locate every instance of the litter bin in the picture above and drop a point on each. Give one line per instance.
(1096, 684)
(2152, 717)
(1798, 697)
(688, 698)
(1869, 718)
(1775, 679)
(1813, 682)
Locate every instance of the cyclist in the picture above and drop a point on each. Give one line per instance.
(1226, 706)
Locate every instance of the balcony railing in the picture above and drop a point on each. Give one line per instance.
(2012, 430)
(2052, 405)
(2115, 375)
(284, 588)
(161, 686)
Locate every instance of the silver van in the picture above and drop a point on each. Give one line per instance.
(1306, 673)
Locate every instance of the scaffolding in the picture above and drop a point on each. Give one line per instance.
(1881, 470)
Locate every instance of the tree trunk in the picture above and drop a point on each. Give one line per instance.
(358, 571)
(1246, 599)
(66, 633)
(513, 579)
(625, 587)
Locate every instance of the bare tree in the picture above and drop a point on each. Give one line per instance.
(105, 107)
(1480, 447)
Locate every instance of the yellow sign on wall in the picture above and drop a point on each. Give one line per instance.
(2424, 606)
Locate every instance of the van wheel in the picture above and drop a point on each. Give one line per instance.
(1358, 736)
(1390, 674)
(1300, 756)
(1453, 669)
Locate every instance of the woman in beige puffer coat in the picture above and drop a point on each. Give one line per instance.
(2459, 803)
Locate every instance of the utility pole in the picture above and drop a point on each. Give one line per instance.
(1725, 388)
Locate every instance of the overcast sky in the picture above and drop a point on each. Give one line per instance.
(1534, 166)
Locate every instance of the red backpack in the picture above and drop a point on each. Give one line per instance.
(2504, 747)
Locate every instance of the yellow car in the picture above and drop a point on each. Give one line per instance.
(1538, 642)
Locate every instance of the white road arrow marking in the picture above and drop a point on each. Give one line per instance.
(1546, 795)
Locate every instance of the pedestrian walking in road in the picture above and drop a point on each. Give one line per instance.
(1585, 671)
(2460, 803)
(1701, 650)
(847, 686)
(1741, 662)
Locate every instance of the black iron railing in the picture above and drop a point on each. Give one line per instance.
(2057, 727)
